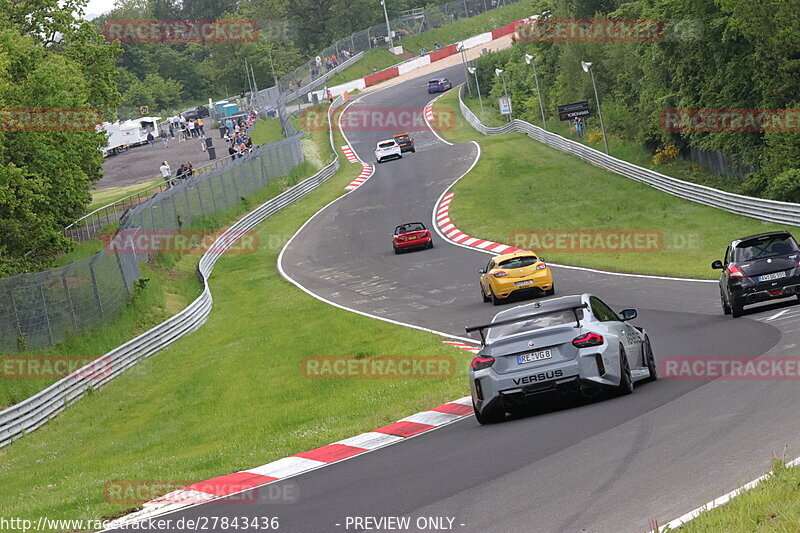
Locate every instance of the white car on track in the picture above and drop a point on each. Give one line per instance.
(387, 149)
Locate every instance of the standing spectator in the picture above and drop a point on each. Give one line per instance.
(229, 125)
(180, 172)
(330, 96)
(422, 51)
(202, 142)
(190, 128)
(231, 151)
(163, 135)
(200, 126)
(151, 139)
(437, 46)
(171, 130)
(189, 172)
(166, 173)
(579, 127)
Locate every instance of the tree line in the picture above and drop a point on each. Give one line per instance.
(709, 54)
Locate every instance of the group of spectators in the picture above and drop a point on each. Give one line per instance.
(185, 171)
(234, 130)
(236, 133)
(189, 128)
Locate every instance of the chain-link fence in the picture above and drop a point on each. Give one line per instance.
(40, 309)
(409, 23)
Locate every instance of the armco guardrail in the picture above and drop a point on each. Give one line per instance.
(35, 411)
(762, 209)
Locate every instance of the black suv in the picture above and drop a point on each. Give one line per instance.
(759, 268)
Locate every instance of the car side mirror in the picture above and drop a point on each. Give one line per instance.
(481, 271)
(717, 265)
(628, 314)
(542, 259)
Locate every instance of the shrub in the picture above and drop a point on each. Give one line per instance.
(785, 186)
(666, 154)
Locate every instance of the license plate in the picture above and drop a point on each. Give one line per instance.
(412, 237)
(533, 356)
(770, 277)
(522, 283)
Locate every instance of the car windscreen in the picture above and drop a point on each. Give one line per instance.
(761, 248)
(409, 227)
(386, 144)
(518, 262)
(434, 82)
(401, 138)
(555, 318)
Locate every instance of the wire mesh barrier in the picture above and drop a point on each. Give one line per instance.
(759, 208)
(409, 23)
(30, 414)
(39, 309)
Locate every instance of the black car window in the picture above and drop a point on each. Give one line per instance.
(405, 228)
(519, 262)
(490, 265)
(763, 247)
(601, 311)
(556, 318)
(728, 255)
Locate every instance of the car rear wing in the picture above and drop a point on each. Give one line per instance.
(482, 329)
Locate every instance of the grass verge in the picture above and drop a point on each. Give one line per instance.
(444, 35)
(171, 285)
(522, 188)
(769, 507)
(266, 131)
(101, 197)
(229, 396)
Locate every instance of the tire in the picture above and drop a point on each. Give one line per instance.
(726, 309)
(737, 309)
(378, 161)
(483, 294)
(413, 150)
(625, 386)
(490, 416)
(650, 360)
(495, 299)
(551, 291)
(430, 245)
(396, 250)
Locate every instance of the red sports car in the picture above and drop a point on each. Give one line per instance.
(411, 235)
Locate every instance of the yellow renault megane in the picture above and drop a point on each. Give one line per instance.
(515, 273)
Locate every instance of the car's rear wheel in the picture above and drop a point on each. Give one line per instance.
(650, 360)
(495, 299)
(625, 382)
(430, 244)
(726, 309)
(413, 150)
(551, 291)
(491, 415)
(737, 309)
(483, 295)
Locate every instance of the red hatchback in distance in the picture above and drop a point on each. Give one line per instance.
(411, 235)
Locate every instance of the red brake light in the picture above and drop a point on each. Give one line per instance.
(479, 363)
(590, 339)
(541, 266)
(734, 272)
(498, 273)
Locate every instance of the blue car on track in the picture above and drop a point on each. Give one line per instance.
(439, 85)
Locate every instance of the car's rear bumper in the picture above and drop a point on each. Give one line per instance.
(406, 148)
(416, 243)
(527, 386)
(542, 281)
(751, 293)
